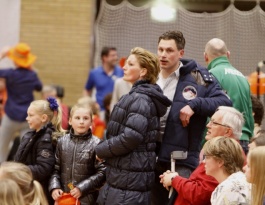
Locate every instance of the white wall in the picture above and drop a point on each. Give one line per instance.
(9, 26)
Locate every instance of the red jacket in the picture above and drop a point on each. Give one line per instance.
(196, 190)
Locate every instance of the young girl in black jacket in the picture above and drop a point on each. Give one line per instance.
(36, 149)
(77, 171)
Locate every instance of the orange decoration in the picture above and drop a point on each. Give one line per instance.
(67, 199)
(252, 79)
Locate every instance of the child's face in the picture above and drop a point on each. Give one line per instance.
(34, 119)
(80, 121)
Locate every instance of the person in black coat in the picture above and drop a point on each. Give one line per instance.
(129, 151)
(36, 149)
(76, 169)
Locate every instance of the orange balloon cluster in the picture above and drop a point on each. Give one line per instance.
(253, 81)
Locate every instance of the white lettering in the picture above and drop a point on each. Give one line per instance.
(233, 72)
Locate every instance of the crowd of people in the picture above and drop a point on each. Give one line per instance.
(118, 143)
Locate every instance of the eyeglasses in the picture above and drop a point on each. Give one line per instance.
(206, 156)
(216, 123)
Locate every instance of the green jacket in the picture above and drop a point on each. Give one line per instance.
(237, 87)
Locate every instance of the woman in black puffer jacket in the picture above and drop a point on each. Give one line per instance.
(133, 129)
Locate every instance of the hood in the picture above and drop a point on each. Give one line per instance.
(155, 93)
(188, 66)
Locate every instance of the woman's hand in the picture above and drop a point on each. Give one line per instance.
(166, 178)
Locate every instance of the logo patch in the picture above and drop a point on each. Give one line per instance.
(189, 92)
(45, 154)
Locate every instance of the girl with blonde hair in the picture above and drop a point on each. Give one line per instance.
(31, 189)
(10, 193)
(36, 148)
(76, 149)
(254, 171)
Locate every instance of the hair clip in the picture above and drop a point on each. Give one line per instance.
(53, 103)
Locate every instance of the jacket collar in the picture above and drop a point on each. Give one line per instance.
(217, 61)
(83, 136)
(188, 66)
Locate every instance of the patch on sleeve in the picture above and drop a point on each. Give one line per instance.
(45, 154)
(189, 92)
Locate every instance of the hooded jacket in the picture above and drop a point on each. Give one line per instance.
(201, 91)
(129, 150)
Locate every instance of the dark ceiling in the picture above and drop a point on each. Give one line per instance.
(202, 5)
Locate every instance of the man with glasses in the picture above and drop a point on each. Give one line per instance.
(216, 56)
(227, 122)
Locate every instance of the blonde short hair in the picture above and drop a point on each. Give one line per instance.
(149, 61)
(227, 150)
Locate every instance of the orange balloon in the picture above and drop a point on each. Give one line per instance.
(252, 79)
(122, 61)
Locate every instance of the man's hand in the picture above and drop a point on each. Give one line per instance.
(185, 115)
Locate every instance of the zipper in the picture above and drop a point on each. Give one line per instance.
(74, 159)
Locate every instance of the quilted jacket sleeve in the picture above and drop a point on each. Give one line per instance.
(55, 178)
(95, 181)
(134, 123)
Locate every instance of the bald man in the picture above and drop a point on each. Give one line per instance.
(233, 82)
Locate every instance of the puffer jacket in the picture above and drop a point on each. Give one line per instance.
(36, 151)
(76, 163)
(129, 150)
(208, 97)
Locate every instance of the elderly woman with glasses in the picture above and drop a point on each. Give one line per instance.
(224, 161)
(226, 121)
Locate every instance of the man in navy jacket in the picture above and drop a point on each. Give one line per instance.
(196, 95)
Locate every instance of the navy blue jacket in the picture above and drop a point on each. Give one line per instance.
(129, 150)
(20, 84)
(201, 91)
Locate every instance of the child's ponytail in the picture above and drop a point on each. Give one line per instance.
(38, 196)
